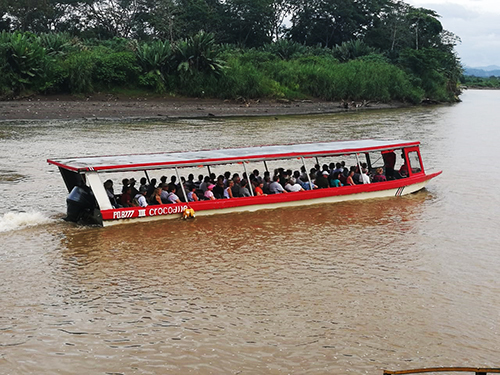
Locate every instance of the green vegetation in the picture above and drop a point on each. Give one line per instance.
(481, 82)
(334, 49)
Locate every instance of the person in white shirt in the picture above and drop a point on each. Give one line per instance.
(141, 197)
(293, 186)
(363, 177)
(172, 197)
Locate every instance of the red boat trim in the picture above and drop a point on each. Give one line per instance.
(178, 208)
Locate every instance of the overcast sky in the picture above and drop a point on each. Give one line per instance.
(476, 22)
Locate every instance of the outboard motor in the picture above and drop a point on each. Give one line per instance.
(80, 203)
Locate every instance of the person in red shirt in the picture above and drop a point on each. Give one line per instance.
(258, 189)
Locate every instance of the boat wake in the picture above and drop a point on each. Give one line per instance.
(18, 220)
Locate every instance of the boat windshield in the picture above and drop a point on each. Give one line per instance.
(414, 160)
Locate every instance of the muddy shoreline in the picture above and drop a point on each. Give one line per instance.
(111, 107)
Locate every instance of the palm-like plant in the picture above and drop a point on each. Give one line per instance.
(199, 54)
(155, 56)
(23, 60)
(351, 50)
(155, 59)
(285, 49)
(56, 44)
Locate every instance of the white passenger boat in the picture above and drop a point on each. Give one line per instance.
(88, 199)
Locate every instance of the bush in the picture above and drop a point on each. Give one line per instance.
(79, 68)
(285, 49)
(25, 65)
(118, 68)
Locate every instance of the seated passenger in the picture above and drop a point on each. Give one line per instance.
(151, 188)
(131, 184)
(228, 192)
(258, 189)
(292, 186)
(379, 176)
(244, 192)
(125, 185)
(322, 180)
(164, 193)
(190, 181)
(108, 185)
(219, 188)
(335, 181)
(209, 194)
(357, 176)
(199, 182)
(306, 185)
(155, 198)
(126, 199)
(227, 177)
(140, 198)
(343, 177)
(204, 184)
(143, 182)
(256, 176)
(172, 183)
(350, 180)
(191, 195)
(338, 168)
(403, 171)
(172, 197)
(303, 173)
(275, 187)
(236, 185)
(266, 184)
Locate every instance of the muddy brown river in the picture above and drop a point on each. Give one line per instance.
(348, 288)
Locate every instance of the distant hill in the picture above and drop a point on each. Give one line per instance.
(485, 72)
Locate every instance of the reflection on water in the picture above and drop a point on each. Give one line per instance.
(352, 287)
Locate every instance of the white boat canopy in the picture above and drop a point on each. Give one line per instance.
(135, 162)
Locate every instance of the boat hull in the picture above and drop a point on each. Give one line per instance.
(222, 206)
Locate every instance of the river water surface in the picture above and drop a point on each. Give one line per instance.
(349, 288)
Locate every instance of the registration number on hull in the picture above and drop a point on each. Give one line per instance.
(149, 211)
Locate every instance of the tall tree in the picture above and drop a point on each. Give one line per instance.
(29, 15)
(198, 15)
(391, 30)
(332, 22)
(426, 27)
(247, 22)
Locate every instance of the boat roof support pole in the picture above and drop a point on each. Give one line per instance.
(308, 176)
(249, 183)
(359, 167)
(209, 171)
(368, 160)
(147, 176)
(182, 185)
(97, 187)
(265, 165)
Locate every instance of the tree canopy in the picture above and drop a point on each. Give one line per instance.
(392, 31)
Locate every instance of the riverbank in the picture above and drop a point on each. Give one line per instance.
(113, 107)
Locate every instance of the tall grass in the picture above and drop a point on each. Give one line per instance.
(316, 77)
